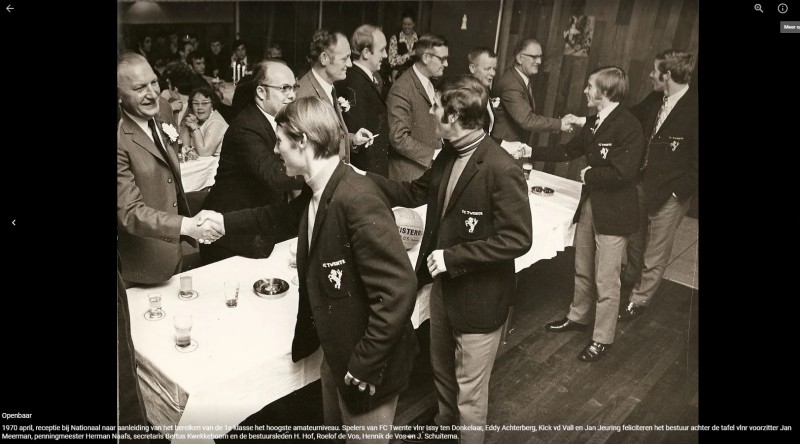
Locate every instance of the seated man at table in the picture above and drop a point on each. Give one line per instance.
(478, 222)
(250, 173)
(357, 289)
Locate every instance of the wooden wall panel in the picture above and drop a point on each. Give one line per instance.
(627, 33)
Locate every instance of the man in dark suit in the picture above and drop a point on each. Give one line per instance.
(669, 174)
(357, 288)
(412, 127)
(478, 222)
(607, 213)
(483, 66)
(218, 60)
(152, 212)
(362, 89)
(250, 174)
(516, 117)
(330, 57)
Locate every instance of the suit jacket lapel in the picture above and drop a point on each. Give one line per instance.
(327, 194)
(524, 87)
(369, 81)
(679, 108)
(322, 94)
(140, 138)
(420, 87)
(302, 247)
(607, 122)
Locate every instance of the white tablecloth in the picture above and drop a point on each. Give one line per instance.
(243, 361)
(199, 173)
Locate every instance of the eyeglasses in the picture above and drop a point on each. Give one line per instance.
(286, 89)
(441, 59)
(203, 104)
(534, 57)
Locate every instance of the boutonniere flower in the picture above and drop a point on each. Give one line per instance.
(170, 131)
(495, 102)
(344, 104)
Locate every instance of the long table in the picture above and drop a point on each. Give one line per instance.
(243, 360)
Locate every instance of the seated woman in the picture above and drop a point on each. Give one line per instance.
(203, 127)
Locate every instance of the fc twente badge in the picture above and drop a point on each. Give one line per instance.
(604, 152)
(335, 276)
(471, 223)
(674, 145)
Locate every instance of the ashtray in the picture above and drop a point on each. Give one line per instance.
(542, 191)
(189, 348)
(270, 288)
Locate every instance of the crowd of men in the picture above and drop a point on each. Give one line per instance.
(325, 157)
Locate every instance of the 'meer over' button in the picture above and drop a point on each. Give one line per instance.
(790, 27)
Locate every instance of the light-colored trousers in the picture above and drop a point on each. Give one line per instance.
(462, 364)
(598, 261)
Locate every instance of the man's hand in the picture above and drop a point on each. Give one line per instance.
(570, 120)
(209, 225)
(583, 173)
(436, 263)
(350, 379)
(362, 136)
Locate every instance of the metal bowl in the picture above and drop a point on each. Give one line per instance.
(270, 288)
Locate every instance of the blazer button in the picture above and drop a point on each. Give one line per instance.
(169, 180)
(174, 204)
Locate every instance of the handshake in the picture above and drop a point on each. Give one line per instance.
(207, 226)
(570, 121)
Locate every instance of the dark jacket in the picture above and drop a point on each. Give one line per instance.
(516, 118)
(614, 153)
(672, 163)
(491, 191)
(357, 287)
(367, 110)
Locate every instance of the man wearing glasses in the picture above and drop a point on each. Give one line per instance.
(516, 117)
(330, 56)
(412, 126)
(250, 174)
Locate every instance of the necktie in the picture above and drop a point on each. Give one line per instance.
(431, 92)
(156, 139)
(491, 116)
(376, 81)
(596, 125)
(334, 97)
(660, 118)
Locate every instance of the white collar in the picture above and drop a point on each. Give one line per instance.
(269, 118)
(602, 114)
(672, 100)
(364, 68)
(325, 85)
(139, 121)
(422, 78)
(524, 77)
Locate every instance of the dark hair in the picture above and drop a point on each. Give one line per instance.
(472, 56)
(181, 76)
(195, 55)
(409, 13)
(522, 44)
(466, 97)
(612, 82)
(426, 42)
(206, 91)
(679, 64)
(238, 43)
(314, 118)
(321, 41)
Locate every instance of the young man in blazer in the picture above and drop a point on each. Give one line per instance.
(357, 287)
(412, 128)
(478, 222)
(668, 177)
(330, 58)
(362, 89)
(608, 210)
(152, 212)
(250, 174)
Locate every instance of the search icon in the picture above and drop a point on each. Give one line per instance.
(758, 8)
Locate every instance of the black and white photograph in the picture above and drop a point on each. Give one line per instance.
(469, 221)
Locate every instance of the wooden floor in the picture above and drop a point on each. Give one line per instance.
(649, 377)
